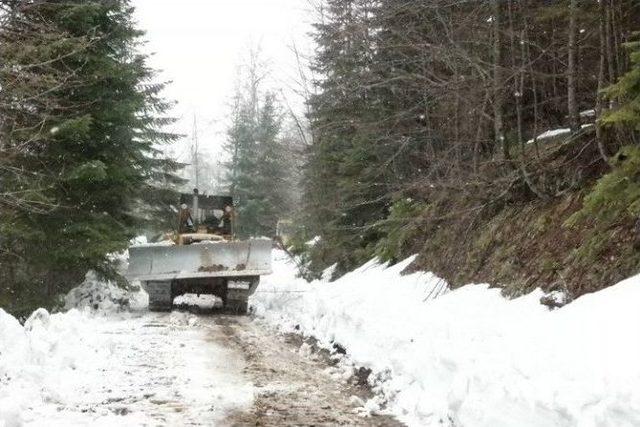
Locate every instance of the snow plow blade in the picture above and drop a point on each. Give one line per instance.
(201, 260)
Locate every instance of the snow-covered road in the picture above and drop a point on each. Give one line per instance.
(146, 369)
(149, 369)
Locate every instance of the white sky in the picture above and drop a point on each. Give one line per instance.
(198, 44)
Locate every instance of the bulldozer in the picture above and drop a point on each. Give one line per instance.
(203, 257)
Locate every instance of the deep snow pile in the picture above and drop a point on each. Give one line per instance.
(469, 357)
(37, 360)
(105, 296)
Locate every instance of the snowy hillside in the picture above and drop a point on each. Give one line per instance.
(470, 357)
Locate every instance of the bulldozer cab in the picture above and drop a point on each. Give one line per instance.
(205, 218)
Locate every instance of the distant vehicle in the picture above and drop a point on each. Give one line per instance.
(202, 258)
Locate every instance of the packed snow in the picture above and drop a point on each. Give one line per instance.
(470, 357)
(202, 302)
(588, 113)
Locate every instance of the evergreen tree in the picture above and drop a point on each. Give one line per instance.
(241, 145)
(346, 180)
(626, 92)
(273, 168)
(93, 140)
(259, 172)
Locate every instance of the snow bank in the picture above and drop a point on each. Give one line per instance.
(105, 296)
(79, 369)
(39, 360)
(470, 357)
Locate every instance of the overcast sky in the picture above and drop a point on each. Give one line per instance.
(200, 43)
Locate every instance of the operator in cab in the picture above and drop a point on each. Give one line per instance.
(186, 221)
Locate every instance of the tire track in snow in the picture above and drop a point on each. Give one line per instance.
(292, 385)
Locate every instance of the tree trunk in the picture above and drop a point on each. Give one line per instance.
(572, 103)
(601, 83)
(498, 94)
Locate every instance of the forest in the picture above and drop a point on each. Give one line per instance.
(496, 139)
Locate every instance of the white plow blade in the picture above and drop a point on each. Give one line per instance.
(207, 259)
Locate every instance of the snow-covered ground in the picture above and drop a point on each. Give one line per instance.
(470, 357)
(79, 368)
(467, 357)
(107, 361)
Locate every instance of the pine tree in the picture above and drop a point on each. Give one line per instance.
(241, 169)
(259, 172)
(93, 139)
(626, 92)
(346, 179)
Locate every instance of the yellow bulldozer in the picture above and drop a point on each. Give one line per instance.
(203, 257)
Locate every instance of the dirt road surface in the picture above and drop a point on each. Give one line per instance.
(293, 385)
